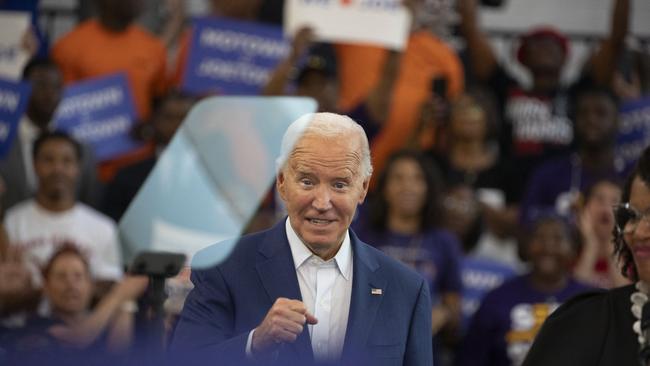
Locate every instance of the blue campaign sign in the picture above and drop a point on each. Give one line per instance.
(479, 277)
(634, 129)
(99, 112)
(232, 57)
(13, 102)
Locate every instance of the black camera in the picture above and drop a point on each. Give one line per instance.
(492, 3)
(158, 264)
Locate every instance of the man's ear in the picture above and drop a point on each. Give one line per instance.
(364, 186)
(280, 181)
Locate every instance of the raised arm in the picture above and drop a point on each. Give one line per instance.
(603, 62)
(87, 331)
(173, 26)
(281, 75)
(483, 61)
(378, 101)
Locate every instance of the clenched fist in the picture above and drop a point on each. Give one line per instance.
(282, 324)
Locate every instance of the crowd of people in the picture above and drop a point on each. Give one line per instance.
(470, 166)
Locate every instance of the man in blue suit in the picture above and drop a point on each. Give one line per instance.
(308, 290)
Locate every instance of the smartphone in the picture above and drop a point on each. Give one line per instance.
(439, 87)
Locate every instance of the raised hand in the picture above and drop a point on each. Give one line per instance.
(283, 324)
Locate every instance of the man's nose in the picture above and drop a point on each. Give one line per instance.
(322, 198)
(68, 281)
(58, 164)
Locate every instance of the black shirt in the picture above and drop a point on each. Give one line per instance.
(593, 329)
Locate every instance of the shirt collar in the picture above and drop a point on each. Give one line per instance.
(301, 253)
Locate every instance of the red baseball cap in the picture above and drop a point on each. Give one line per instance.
(542, 32)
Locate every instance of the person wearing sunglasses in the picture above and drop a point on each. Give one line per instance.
(605, 328)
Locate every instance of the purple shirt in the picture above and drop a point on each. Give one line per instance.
(506, 323)
(550, 186)
(435, 254)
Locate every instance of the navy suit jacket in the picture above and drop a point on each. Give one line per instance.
(231, 299)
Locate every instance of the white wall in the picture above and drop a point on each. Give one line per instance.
(574, 17)
(571, 16)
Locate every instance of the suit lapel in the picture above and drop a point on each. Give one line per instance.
(364, 301)
(277, 273)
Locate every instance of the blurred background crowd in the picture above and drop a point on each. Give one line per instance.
(496, 169)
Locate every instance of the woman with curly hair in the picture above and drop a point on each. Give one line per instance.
(604, 328)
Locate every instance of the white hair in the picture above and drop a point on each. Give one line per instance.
(328, 125)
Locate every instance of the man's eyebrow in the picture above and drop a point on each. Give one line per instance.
(343, 177)
(301, 172)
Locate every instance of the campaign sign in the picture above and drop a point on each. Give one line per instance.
(232, 57)
(13, 56)
(384, 23)
(13, 102)
(634, 129)
(480, 276)
(99, 112)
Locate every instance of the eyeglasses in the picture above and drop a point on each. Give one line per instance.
(628, 218)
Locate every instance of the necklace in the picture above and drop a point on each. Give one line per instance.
(639, 299)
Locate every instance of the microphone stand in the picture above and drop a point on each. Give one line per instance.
(158, 266)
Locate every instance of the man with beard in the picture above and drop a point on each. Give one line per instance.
(40, 225)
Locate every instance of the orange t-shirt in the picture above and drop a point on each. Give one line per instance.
(425, 58)
(90, 50)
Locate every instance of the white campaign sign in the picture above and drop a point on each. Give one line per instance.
(13, 26)
(379, 22)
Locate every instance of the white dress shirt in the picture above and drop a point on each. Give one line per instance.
(326, 289)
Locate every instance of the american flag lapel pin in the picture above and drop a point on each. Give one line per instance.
(375, 291)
